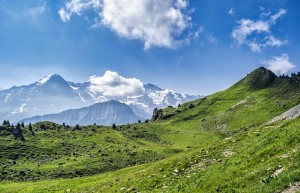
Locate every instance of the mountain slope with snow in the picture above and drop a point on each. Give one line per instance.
(53, 94)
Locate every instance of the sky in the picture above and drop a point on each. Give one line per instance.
(194, 47)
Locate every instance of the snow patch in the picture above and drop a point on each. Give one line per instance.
(159, 96)
(81, 98)
(74, 88)
(7, 97)
(20, 109)
(45, 79)
(142, 105)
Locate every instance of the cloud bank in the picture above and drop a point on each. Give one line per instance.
(156, 23)
(246, 30)
(112, 84)
(280, 64)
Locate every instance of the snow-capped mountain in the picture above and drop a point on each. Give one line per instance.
(156, 97)
(53, 94)
(105, 113)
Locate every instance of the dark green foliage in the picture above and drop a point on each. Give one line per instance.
(190, 106)
(42, 126)
(30, 127)
(17, 132)
(77, 127)
(58, 152)
(114, 126)
(6, 123)
(18, 126)
(157, 113)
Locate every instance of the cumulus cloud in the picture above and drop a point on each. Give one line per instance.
(111, 84)
(156, 23)
(280, 64)
(246, 29)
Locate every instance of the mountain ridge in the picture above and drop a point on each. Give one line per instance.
(53, 94)
(106, 113)
(221, 143)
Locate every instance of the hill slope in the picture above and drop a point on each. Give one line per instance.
(221, 143)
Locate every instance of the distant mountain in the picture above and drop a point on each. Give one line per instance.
(156, 97)
(105, 113)
(53, 94)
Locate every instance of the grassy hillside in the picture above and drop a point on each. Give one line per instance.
(220, 143)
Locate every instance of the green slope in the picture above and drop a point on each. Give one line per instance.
(217, 144)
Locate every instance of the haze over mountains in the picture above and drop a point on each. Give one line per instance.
(106, 113)
(53, 94)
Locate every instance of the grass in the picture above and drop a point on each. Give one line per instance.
(220, 143)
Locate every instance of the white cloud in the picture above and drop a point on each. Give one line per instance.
(111, 84)
(76, 7)
(245, 31)
(278, 15)
(254, 47)
(28, 14)
(212, 39)
(156, 23)
(272, 41)
(64, 16)
(280, 64)
(37, 11)
(231, 11)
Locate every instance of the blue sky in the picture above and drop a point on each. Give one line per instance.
(195, 47)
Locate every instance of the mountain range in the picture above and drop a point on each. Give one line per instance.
(242, 139)
(106, 113)
(53, 94)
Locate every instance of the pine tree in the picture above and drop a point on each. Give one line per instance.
(30, 127)
(77, 127)
(18, 127)
(157, 113)
(114, 126)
